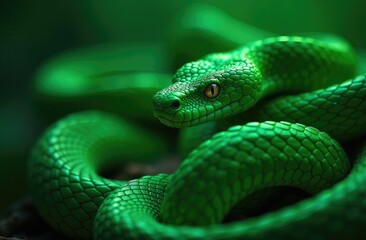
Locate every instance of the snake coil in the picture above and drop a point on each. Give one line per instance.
(281, 106)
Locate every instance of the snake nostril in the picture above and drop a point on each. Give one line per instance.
(175, 104)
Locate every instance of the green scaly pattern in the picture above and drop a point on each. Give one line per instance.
(226, 168)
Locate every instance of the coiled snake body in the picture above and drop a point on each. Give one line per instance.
(265, 140)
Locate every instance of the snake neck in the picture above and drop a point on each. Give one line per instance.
(300, 64)
(291, 65)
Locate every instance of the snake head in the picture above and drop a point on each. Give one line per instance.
(204, 91)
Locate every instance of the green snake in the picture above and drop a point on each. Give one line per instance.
(279, 107)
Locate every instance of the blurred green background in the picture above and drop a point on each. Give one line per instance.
(33, 31)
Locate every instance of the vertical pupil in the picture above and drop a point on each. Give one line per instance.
(212, 89)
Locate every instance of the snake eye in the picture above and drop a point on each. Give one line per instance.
(212, 90)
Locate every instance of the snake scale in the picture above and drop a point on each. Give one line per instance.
(282, 107)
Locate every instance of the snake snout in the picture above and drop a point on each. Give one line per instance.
(166, 103)
(157, 99)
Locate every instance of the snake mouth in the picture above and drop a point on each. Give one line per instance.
(192, 122)
(216, 114)
(170, 123)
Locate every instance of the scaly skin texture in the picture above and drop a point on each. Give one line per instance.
(234, 163)
(63, 170)
(336, 213)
